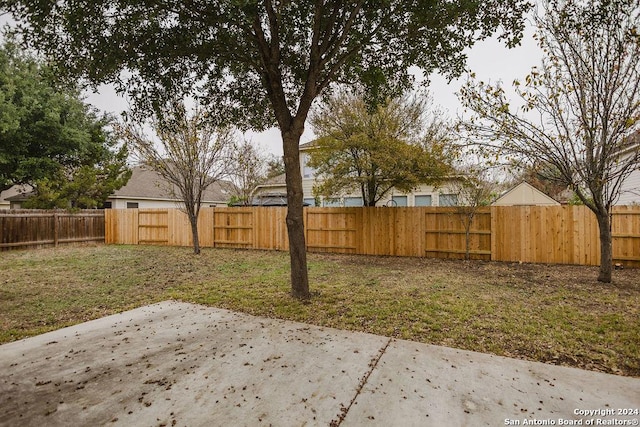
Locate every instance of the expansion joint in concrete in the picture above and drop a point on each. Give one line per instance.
(344, 410)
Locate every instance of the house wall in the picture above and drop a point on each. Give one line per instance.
(525, 195)
(12, 192)
(630, 190)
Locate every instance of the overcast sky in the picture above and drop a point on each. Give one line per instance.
(490, 60)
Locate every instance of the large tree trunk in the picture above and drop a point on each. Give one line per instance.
(295, 218)
(606, 251)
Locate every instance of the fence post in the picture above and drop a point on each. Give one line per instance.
(55, 229)
(494, 231)
(306, 228)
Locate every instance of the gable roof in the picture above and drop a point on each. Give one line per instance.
(307, 145)
(15, 193)
(525, 194)
(275, 180)
(145, 183)
(274, 184)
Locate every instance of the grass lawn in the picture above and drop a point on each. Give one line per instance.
(553, 314)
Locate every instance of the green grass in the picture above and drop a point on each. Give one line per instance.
(553, 314)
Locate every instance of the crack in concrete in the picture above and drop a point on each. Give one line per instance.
(372, 365)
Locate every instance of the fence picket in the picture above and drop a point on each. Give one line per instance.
(538, 234)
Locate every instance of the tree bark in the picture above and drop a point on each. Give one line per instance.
(295, 218)
(194, 233)
(467, 236)
(606, 251)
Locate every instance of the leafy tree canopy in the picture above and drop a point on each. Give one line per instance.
(229, 51)
(261, 63)
(249, 168)
(394, 146)
(51, 140)
(275, 166)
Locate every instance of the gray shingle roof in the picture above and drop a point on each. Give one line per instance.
(15, 193)
(148, 184)
(276, 180)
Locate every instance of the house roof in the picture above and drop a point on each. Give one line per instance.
(631, 145)
(148, 184)
(307, 145)
(276, 181)
(525, 194)
(15, 193)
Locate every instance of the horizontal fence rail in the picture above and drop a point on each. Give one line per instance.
(537, 234)
(37, 228)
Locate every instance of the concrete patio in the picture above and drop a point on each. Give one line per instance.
(186, 365)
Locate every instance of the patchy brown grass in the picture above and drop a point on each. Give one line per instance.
(553, 314)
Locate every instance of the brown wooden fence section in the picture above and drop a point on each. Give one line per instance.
(37, 228)
(556, 234)
(563, 235)
(446, 234)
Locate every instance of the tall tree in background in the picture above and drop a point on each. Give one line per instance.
(248, 169)
(189, 153)
(275, 166)
(51, 140)
(475, 189)
(261, 62)
(374, 150)
(88, 183)
(581, 112)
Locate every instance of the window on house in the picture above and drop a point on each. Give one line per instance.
(448, 200)
(132, 205)
(106, 205)
(353, 201)
(399, 200)
(423, 200)
(331, 203)
(310, 202)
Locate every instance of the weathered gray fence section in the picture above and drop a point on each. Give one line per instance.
(41, 228)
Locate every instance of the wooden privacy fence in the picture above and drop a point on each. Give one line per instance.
(38, 228)
(558, 234)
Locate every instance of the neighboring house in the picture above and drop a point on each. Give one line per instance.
(147, 189)
(524, 194)
(14, 196)
(630, 189)
(425, 195)
(630, 194)
(4, 203)
(272, 193)
(275, 187)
